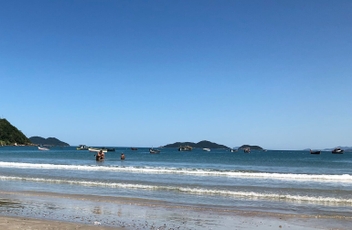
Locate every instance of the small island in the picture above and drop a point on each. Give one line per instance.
(252, 147)
(201, 144)
(50, 141)
(188, 146)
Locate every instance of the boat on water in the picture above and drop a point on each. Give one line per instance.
(314, 152)
(110, 149)
(134, 149)
(82, 147)
(43, 148)
(206, 149)
(154, 151)
(185, 148)
(337, 151)
(96, 150)
(247, 150)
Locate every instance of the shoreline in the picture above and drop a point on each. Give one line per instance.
(41, 210)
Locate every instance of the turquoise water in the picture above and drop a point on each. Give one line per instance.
(279, 181)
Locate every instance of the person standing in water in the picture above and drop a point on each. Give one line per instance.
(100, 156)
(122, 156)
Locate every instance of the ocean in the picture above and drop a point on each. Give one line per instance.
(284, 182)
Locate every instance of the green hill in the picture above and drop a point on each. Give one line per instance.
(10, 135)
(201, 144)
(252, 147)
(208, 144)
(51, 141)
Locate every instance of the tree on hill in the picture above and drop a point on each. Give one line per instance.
(10, 135)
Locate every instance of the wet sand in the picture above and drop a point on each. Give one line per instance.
(36, 210)
(12, 223)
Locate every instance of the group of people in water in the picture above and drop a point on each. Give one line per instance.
(101, 156)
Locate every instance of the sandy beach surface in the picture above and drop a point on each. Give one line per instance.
(36, 210)
(12, 223)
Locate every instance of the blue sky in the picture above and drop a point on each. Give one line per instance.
(147, 73)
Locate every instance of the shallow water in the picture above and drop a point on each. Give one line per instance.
(280, 181)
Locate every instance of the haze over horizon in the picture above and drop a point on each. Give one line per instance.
(276, 74)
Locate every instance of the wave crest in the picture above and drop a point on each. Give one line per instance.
(344, 178)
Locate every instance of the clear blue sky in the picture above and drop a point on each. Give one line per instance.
(147, 73)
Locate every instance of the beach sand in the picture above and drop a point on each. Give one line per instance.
(12, 223)
(36, 210)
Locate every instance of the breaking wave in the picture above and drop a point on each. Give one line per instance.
(344, 178)
(189, 190)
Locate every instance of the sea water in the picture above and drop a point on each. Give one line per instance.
(294, 182)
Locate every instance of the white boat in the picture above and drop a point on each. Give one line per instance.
(185, 148)
(96, 150)
(42, 148)
(337, 151)
(206, 149)
(82, 147)
(154, 151)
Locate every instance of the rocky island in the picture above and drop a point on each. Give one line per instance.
(201, 144)
(252, 147)
(210, 145)
(50, 141)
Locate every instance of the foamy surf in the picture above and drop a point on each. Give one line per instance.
(188, 190)
(344, 178)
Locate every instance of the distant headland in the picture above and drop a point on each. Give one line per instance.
(50, 141)
(10, 135)
(208, 144)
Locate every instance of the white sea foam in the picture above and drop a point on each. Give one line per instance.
(344, 178)
(272, 196)
(249, 195)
